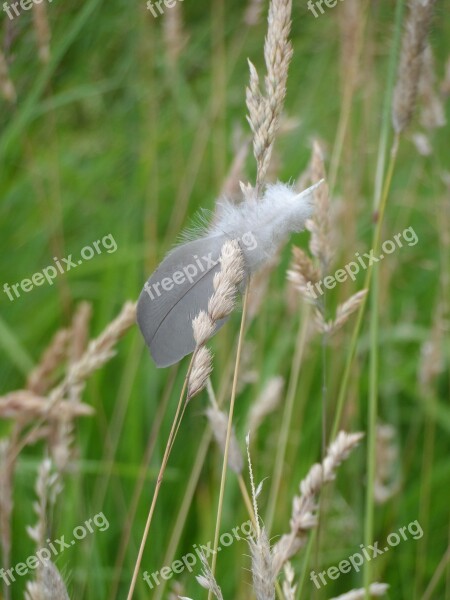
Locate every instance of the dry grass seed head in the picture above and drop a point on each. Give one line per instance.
(7, 88)
(39, 380)
(267, 401)
(265, 109)
(387, 482)
(49, 585)
(25, 406)
(304, 506)
(225, 282)
(411, 62)
(100, 350)
(203, 327)
(252, 15)
(302, 273)
(289, 589)
(432, 113)
(48, 487)
(174, 35)
(218, 421)
(42, 29)
(445, 84)
(432, 360)
(80, 331)
(201, 370)
(343, 313)
(319, 224)
(207, 579)
(263, 573)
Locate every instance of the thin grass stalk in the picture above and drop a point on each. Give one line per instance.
(144, 467)
(219, 74)
(115, 431)
(372, 411)
(186, 504)
(324, 397)
(227, 443)
(170, 440)
(424, 502)
(444, 562)
(387, 104)
(191, 487)
(344, 117)
(300, 345)
(183, 513)
(381, 192)
(245, 495)
(113, 434)
(201, 140)
(247, 499)
(304, 572)
(379, 189)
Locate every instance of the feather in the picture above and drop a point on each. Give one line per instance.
(183, 283)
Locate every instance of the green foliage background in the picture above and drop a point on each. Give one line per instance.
(109, 137)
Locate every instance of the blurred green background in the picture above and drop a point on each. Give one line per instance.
(123, 132)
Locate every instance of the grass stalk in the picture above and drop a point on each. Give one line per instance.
(287, 417)
(227, 442)
(169, 445)
(380, 196)
(144, 467)
(192, 483)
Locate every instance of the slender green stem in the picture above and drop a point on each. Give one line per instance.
(287, 417)
(380, 195)
(373, 372)
(143, 470)
(182, 514)
(192, 483)
(227, 442)
(173, 431)
(372, 422)
(308, 551)
(375, 244)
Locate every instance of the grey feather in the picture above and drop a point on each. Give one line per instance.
(165, 315)
(165, 312)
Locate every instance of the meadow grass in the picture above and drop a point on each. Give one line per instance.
(116, 134)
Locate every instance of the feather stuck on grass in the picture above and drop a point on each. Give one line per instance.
(220, 305)
(165, 317)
